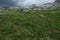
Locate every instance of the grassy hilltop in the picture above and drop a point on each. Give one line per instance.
(32, 25)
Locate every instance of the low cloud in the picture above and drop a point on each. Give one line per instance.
(24, 3)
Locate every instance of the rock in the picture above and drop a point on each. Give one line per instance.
(0, 10)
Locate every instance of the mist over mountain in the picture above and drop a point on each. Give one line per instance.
(58, 1)
(27, 3)
(23, 3)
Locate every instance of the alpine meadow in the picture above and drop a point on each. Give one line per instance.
(32, 23)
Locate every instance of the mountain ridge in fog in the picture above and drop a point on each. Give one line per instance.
(23, 3)
(57, 1)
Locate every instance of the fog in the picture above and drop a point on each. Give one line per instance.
(24, 3)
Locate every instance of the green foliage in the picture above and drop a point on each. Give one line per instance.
(32, 25)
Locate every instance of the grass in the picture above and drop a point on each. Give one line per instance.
(15, 25)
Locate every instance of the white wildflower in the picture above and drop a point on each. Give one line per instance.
(42, 15)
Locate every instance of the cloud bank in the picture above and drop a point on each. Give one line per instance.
(6, 3)
(24, 3)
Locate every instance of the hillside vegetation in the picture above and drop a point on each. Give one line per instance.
(31, 25)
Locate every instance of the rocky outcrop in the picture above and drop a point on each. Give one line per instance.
(57, 1)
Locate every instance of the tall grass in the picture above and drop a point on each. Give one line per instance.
(15, 25)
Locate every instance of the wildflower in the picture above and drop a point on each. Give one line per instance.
(42, 15)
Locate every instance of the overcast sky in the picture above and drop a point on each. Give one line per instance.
(23, 3)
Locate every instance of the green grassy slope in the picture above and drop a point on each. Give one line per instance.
(33, 25)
